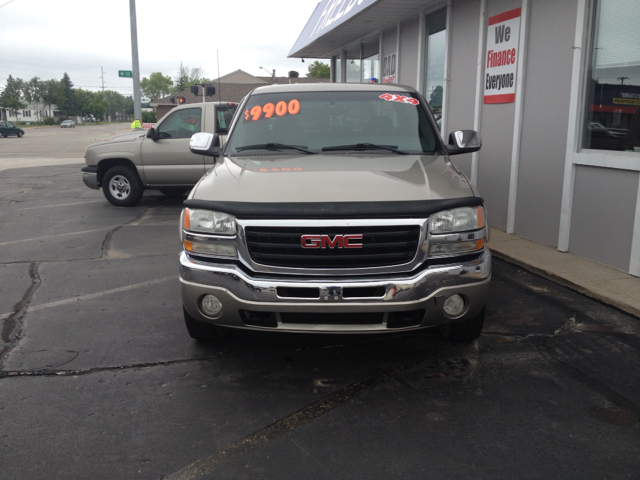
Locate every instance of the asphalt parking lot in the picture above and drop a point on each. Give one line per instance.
(99, 378)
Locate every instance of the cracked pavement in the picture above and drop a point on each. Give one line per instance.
(99, 378)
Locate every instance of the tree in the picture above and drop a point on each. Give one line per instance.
(118, 105)
(33, 93)
(10, 98)
(52, 94)
(435, 99)
(187, 76)
(318, 70)
(69, 105)
(157, 85)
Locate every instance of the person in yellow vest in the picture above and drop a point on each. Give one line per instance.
(136, 124)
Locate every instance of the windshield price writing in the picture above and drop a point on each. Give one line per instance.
(280, 109)
(399, 98)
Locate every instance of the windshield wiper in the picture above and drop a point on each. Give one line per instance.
(365, 146)
(274, 146)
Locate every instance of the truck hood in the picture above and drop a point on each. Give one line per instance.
(127, 137)
(332, 178)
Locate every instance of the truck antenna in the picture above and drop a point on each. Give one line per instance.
(218, 60)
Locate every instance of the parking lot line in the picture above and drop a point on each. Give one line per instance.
(93, 295)
(12, 242)
(60, 205)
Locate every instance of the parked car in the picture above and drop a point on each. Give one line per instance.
(8, 128)
(334, 208)
(158, 158)
(68, 124)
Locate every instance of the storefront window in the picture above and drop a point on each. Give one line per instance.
(371, 62)
(353, 65)
(613, 89)
(336, 69)
(435, 51)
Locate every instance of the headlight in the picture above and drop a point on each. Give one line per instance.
(457, 232)
(207, 221)
(456, 220)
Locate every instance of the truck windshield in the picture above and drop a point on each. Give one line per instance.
(333, 122)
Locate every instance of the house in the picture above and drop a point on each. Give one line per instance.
(232, 87)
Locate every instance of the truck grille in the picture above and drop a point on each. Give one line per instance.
(381, 246)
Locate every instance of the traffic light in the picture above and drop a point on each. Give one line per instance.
(181, 101)
(194, 90)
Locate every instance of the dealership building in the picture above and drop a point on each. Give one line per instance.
(552, 86)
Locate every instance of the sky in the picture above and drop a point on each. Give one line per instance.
(46, 38)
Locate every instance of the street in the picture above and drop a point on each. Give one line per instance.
(99, 378)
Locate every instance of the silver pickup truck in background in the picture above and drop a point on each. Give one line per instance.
(158, 158)
(334, 208)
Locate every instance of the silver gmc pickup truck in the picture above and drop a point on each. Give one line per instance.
(334, 208)
(158, 158)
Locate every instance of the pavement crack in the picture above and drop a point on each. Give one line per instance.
(140, 216)
(13, 324)
(106, 243)
(50, 372)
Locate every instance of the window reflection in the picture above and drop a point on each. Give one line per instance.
(613, 89)
(353, 65)
(434, 62)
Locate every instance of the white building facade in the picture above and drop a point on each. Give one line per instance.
(553, 88)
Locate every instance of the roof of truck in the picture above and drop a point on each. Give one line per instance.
(333, 87)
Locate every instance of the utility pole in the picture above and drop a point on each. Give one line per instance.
(137, 109)
(102, 74)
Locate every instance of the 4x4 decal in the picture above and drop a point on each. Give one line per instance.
(390, 97)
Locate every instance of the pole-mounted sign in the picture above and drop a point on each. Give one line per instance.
(125, 73)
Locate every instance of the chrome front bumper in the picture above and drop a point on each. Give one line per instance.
(90, 177)
(425, 290)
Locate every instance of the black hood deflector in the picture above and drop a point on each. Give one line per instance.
(329, 210)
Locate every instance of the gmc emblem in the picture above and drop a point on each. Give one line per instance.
(325, 241)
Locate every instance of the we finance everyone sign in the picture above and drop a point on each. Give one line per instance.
(501, 59)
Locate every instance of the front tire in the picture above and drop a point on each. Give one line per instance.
(122, 187)
(465, 331)
(201, 331)
(19, 134)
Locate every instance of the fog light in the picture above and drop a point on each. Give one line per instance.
(454, 305)
(211, 305)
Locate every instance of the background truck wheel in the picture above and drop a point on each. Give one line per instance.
(122, 187)
(466, 330)
(173, 192)
(203, 332)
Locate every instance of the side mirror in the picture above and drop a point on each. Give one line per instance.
(152, 134)
(463, 141)
(205, 144)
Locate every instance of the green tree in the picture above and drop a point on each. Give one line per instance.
(69, 105)
(53, 94)
(318, 70)
(118, 106)
(11, 96)
(157, 85)
(149, 117)
(33, 93)
(435, 99)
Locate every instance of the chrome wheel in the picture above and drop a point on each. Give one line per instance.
(120, 187)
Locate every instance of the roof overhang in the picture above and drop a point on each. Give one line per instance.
(336, 23)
